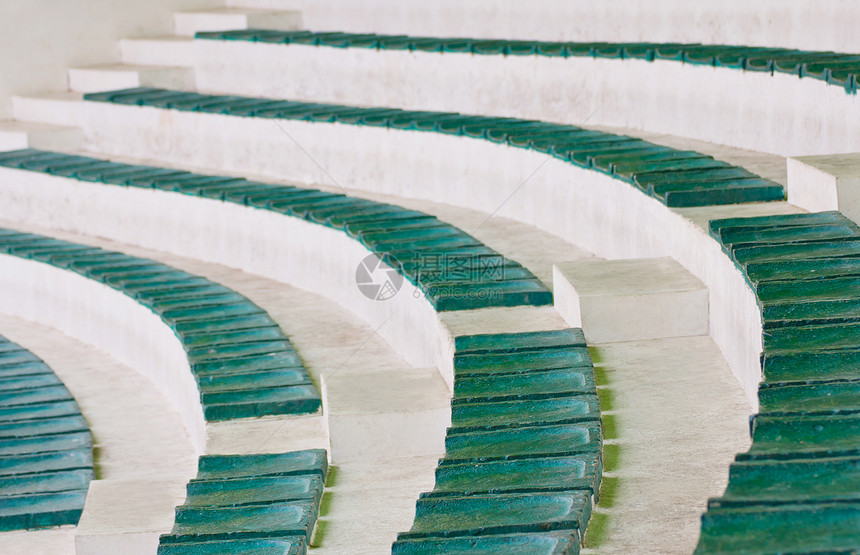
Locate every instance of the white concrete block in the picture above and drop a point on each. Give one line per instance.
(62, 108)
(380, 415)
(267, 4)
(271, 434)
(18, 134)
(158, 51)
(628, 300)
(826, 182)
(127, 516)
(113, 77)
(189, 23)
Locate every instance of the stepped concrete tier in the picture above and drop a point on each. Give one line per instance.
(801, 471)
(722, 94)
(219, 19)
(169, 50)
(656, 355)
(417, 246)
(443, 268)
(139, 438)
(222, 358)
(16, 135)
(601, 213)
(675, 177)
(353, 488)
(829, 182)
(764, 23)
(46, 452)
(627, 300)
(99, 78)
(370, 499)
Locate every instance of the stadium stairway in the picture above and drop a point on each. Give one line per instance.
(593, 205)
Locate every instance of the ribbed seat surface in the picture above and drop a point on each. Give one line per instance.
(523, 457)
(797, 487)
(261, 504)
(46, 448)
(454, 270)
(676, 178)
(835, 68)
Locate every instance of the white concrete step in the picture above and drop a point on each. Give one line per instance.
(158, 51)
(826, 182)
(677, 419)
(629, 300)
(57, 108)
(266, 4)
(369, 503)
(188, 23)
(372, 415)
(122, 76)
(15, 135)
(127, 516)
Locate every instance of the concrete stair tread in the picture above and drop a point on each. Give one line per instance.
(171, 50)
(220, 19)
(231, 11)
(102, 77)
(123, 67)
(628, 300)
(15, 134)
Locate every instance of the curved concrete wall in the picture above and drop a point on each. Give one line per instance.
(827, 24)
(779, 114)
(109, 320)
(290, 250)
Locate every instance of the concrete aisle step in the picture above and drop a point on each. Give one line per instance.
(158, 51)
(628, 300)
(674, 417)
(826, 182)
(188, 23)
(105, 77)
(647, 323)
(16, 135)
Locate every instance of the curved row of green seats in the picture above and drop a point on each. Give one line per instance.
(454, 270)
(797, 489)
(243, 363)
(46, 448)
(523, 455)
(833, 67)
(249, 504)
(674, 177)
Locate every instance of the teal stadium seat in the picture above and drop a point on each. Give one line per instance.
(243, 363)
(46, 448)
